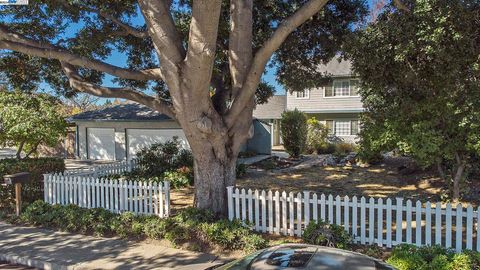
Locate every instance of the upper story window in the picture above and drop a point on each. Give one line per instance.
(342, 88)
(305, 94)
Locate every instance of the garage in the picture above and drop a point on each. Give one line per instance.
(101, 143)
(140, 138)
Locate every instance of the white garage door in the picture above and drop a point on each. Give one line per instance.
(101, 143)
(141, 138)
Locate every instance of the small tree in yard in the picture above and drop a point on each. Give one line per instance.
(28, 120)
(293, 127)
(420, 70)
(317, 135)
(199, 62)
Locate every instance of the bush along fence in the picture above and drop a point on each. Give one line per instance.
(149, 198)
(373, 221)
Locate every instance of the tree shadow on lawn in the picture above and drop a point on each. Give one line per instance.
(379, 181)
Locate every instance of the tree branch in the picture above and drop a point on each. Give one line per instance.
(240, 41)
(129, 29)
(162, 30)
(202, 42)
(77, 83)
(400, 5)
(261, 58)
(16, 42)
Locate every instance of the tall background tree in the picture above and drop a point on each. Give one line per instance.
(420, 72)
(199, 62)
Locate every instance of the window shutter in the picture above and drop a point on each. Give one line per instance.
(353, 87)
(330, 126)
(328, 91)
(354, 127)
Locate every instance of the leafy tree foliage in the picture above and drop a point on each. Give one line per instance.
(317, 135)
(294, 130)
(97, 37)
(28, 120)
(420, 71)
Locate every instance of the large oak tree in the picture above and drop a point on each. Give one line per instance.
(199, 62)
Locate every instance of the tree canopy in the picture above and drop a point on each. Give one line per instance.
(420, 71)
(97, 29)
(28, 120)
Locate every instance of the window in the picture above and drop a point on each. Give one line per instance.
(355, 126)
(305, 94)
(342, 88)
(342, 127)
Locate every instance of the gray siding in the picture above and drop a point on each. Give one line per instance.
(316, 102)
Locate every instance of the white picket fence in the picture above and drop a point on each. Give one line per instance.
(117, 196)
(373, 221)
(104, 170)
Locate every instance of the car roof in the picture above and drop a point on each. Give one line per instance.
(302, 256)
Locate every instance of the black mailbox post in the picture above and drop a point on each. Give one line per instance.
(17, 179)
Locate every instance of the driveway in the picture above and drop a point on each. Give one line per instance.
(7, 153)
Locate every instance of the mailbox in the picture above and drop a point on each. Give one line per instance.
(18, 178)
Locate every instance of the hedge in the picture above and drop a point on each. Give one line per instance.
(196, 229)
(30, 192)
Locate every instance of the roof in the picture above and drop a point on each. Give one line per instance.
(122, 112)
(337, 67)
(273, 109)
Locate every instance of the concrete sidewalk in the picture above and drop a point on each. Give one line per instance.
(45, 249)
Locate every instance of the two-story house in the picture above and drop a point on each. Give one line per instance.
(336, 104)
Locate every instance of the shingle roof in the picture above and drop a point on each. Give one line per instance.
(273, 109)
(122, 112)
(337, 68)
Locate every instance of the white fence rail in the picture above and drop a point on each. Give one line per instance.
(103, 170)
(373, 221)
(117, 196)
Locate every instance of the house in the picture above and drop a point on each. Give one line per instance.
(119, 132)
(271, 113)
(336, 104)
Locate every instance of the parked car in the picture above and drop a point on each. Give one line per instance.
(295, 256)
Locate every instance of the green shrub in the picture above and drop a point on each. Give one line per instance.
(344, 148)
(34, 190)
(193, 226)
(241, 170)
(176, 179)
(410, 257)
(327, 148)
(162, 157)
(293, 127)
(325, 234)
(317, 134)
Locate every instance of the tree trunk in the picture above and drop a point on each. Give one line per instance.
(212, 177)
(19, 150)
(456, 181)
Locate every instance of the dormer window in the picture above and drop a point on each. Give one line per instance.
(305, 94)
(342, 88)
